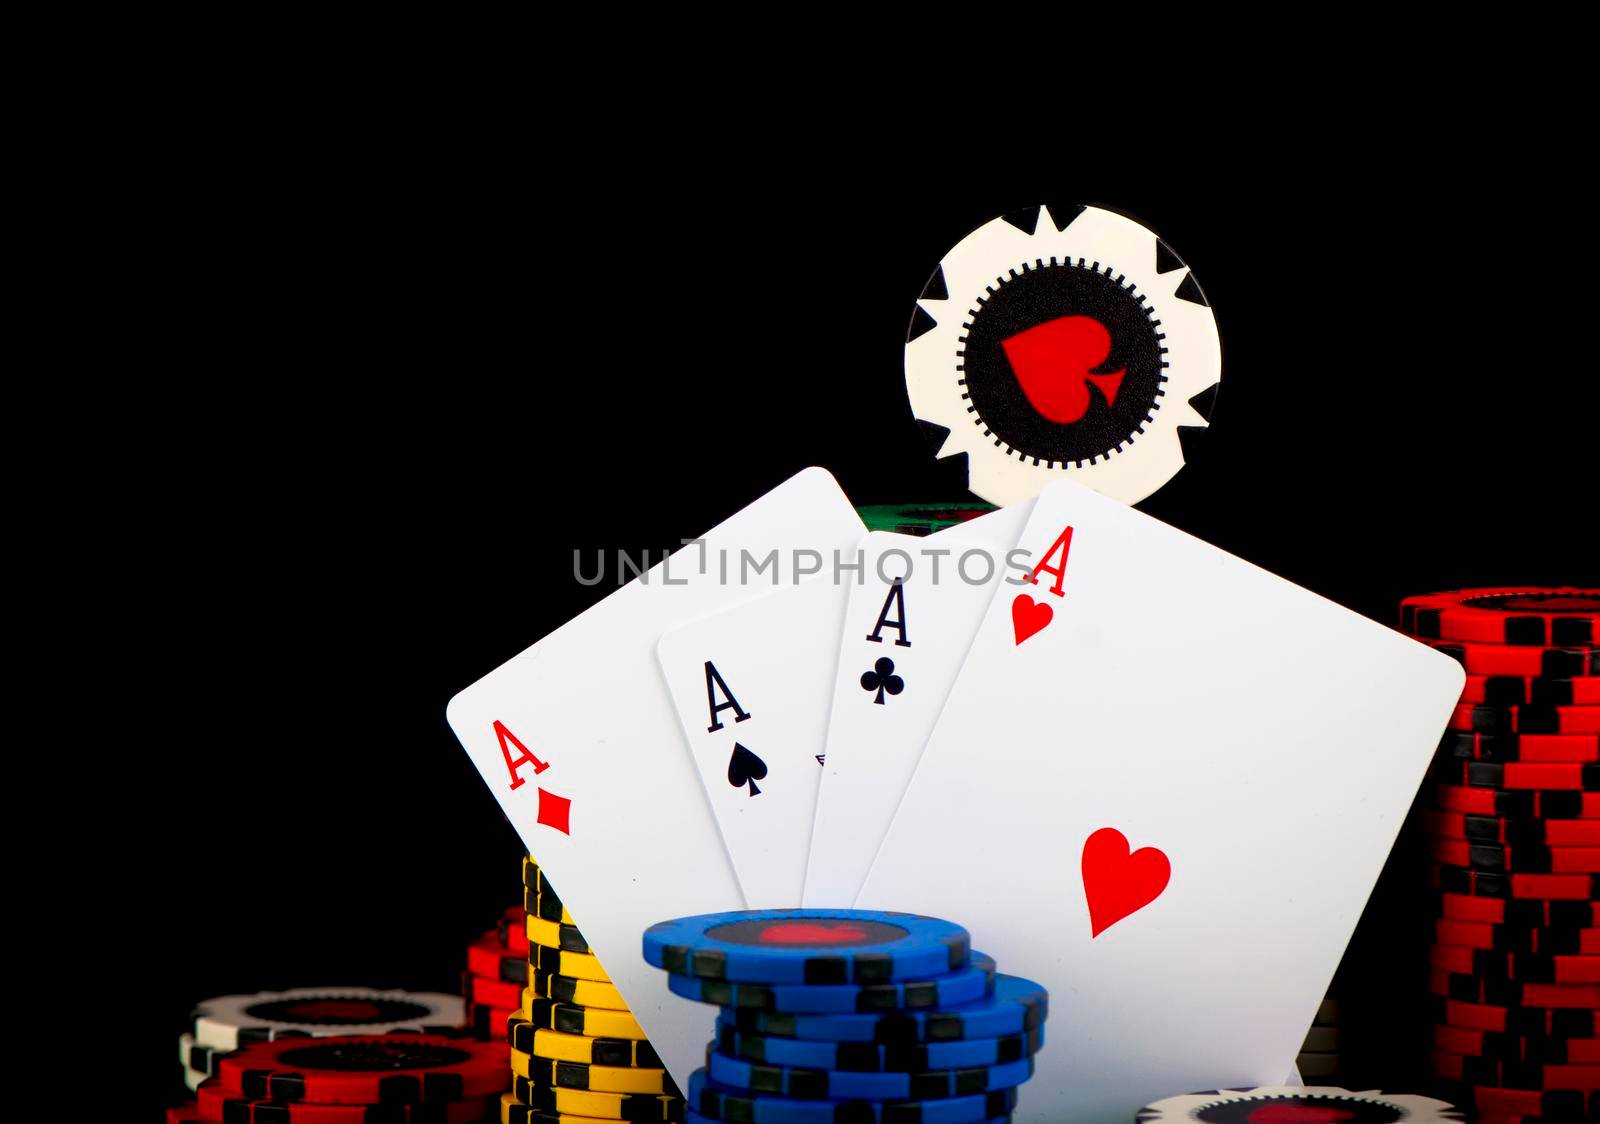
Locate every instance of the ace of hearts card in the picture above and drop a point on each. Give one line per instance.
(1163, 786)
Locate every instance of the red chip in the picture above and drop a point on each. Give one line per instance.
(1532, 914)
(366, 1069)
(1525, 719)
(1527, 776)
(1512, 993)
(1490, 802)
(1510, 938)
(487, 992)
(1525, 966)
(1504, 829)
(1527, 859)
(1515, 1075)
(1531, 690)
(1556, 1105)
(1527, 662)
(1550, 887)
(512, 930)
(235, 1110)
(1524, 616)
(1548, 1051)
(487, 957)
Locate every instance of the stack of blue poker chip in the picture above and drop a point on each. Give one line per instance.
(830, 1015)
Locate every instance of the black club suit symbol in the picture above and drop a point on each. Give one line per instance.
(882, 679)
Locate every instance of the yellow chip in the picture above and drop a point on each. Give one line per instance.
(537, 909)
(574, 965)
(591, 1022)
(536, 888)
(513, 1111)
(552, 1074)
(553, 934)
(565, 1047)
(564, 989)
(605, 1106)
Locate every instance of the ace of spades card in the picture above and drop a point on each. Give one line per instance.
(751, 687)
(1163, 786)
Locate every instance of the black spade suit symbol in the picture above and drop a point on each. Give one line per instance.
(745, 768)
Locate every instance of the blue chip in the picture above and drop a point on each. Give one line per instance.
(826, 1084)
(807, 946)
(690, 1116)
(968, 985)
(1017, 1006)
(872, 1057)
(711, 1101)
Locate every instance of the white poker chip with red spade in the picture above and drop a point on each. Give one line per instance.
(1063, 342)
(1309, 1105)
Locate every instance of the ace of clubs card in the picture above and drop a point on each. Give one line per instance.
(908, 624)
(1163, 786)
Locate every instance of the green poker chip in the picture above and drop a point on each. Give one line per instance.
(920, 519)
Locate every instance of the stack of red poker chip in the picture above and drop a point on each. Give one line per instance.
(1513, 843)
(496, 973)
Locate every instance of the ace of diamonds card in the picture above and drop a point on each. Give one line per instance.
(577, 739)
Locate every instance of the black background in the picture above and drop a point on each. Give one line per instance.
(438, 373)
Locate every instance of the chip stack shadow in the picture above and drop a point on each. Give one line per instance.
(1319, 1060)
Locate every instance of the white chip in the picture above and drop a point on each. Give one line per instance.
(1240, 1106)
(198, 1063)
(1067, 343)
(230, 1021)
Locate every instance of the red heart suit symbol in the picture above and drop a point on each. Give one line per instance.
(1117, 883)
(1028, 616)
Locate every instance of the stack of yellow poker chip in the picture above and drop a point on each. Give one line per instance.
(577, 1053)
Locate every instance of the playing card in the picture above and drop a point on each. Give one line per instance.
(908, 624)
(577, 739)
(1163, 786)
(751, 687)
